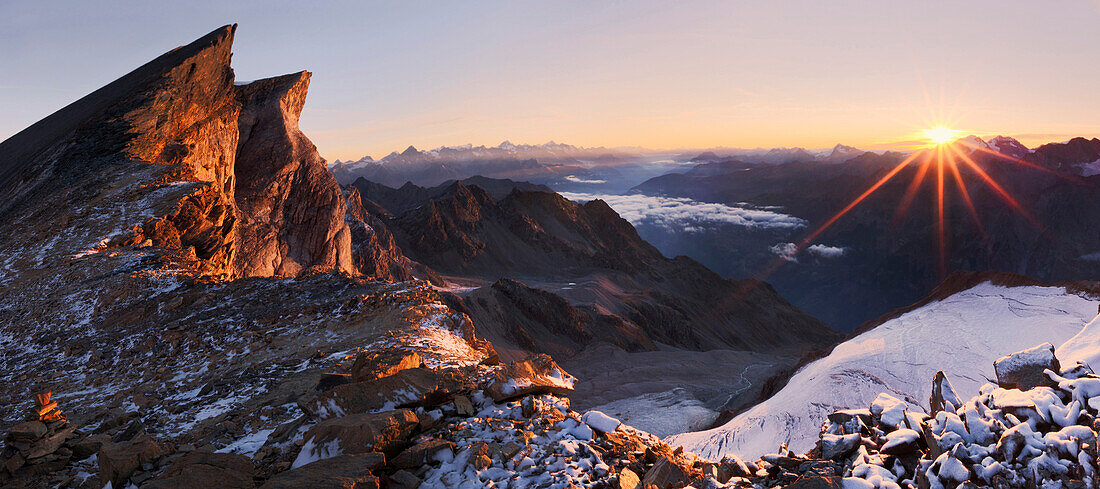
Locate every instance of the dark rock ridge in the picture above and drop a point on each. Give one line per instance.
(1069, 156)
(509, 313)
(409, 195)
(540, 237)
(374, 252)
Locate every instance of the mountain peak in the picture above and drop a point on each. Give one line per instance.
(410, 151)
(841, 153)
(1008, 146)
(973, 142)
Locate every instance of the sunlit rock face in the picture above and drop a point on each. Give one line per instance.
(291, 208)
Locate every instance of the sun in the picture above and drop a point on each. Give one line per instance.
(941, 135)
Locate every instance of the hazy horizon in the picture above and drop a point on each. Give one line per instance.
(693, 75)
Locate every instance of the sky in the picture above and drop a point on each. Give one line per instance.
(683, 74)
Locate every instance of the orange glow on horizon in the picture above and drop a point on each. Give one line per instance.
(945, 156)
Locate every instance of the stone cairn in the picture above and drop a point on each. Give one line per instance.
(35, 446)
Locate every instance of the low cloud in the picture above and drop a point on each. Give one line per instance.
(788, 251)
(576, 179)
(785, 251)
(688, 215)
(1091, 256)
(825, 251)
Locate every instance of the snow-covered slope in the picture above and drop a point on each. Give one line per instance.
(1083, 347)
(961, 335)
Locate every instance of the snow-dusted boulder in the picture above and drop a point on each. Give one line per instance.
(538, 374)
(600, 421)
(1024, 369)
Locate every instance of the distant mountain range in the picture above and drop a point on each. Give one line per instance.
(562, 166)
(429, 168)
(775, 156)
(884, 257)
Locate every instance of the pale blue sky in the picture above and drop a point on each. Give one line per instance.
(655, 74)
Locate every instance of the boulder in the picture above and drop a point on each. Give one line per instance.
(118, 460)
(817, 482)
(665, 474)
(421, 453)
(463, 406)
(628, 479)
(372, 365)
(853, 420)
(329, 380)
(732, 466)
(537, 374)
(49, 444)
(206, 469)
(365, 432)
(838, 446)
(1024, 369)
(943, 395)
(901, 442)
(409, 387)
(601, 422)
(88, 446)
(402, 479)
(350, 471)
(28, 431)
(14, 463)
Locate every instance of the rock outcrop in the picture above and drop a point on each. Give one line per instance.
(374, 252)
(291, 208)
(206, 469)
(513, 315)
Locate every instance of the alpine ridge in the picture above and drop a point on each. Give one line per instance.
(190, 299)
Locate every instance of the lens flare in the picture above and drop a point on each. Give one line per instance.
(941, 135)
(942, 158)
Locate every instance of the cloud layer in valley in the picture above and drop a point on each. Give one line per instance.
(576, 179)
(785, 250)
(826, 251)
(788, 251)
(686, 214)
